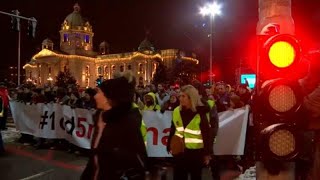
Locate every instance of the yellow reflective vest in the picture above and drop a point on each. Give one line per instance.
(211, 103)
(143, 128)
(191, 134)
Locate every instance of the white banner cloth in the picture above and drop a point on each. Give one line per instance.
(76, 126)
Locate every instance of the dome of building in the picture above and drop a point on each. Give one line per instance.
(146, 45)
(75, 19)
(47, 44)
(47, 41)
(103, 44)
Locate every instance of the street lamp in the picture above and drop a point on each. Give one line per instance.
(211, 10)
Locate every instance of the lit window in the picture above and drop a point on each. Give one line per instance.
(140, 68)
(106, 69)
(87, 82)
(87, 70)
(87, 39)
(154, 66)
(65, 38)
(99, 70)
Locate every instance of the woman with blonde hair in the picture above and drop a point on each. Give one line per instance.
(191, 126)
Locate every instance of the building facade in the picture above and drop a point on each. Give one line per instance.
(76, 55)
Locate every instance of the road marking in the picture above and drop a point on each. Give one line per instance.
(47, 158)
(38, 175)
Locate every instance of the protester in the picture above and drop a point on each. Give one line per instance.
(172, 103)
(121, 146)
(161, 95)
(223, 98)
(190, 123)
(5, 97)
(150, 102)
(244, 94)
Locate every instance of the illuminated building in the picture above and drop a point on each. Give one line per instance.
(76, 54)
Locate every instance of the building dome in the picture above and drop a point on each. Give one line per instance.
(146, 45)
(47, 44)
(103, 44)
(47, 41)
(75, 19)
(104, 48)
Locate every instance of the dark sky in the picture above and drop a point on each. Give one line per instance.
(173, 24)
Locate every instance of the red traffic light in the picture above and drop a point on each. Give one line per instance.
(280, 56)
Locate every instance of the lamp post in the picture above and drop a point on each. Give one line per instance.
(213, 9)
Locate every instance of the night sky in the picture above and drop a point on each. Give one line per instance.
(172, 23)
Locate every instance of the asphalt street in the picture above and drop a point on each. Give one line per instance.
(23, 162)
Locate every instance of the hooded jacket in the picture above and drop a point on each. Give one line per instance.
(154, 106)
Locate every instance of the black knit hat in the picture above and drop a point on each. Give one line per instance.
(119, 91)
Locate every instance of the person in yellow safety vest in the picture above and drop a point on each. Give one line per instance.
(143, 128)
(150, 102)
(213, 114)
(190, 122)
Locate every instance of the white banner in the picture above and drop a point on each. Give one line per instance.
(54, 121)
(230, 140)
(232, 131)
(76, 126)
(158, 127)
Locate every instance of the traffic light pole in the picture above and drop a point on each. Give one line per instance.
(34, 21)
(19, 58)
(17, 16)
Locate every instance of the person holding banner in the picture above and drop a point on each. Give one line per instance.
(121, 151)
(189, 141)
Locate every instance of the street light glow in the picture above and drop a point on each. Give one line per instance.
(213, 10)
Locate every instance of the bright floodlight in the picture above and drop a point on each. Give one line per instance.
(211, 9)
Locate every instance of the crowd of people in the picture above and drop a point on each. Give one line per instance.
(194, 107)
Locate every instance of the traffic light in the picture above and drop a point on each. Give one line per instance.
(278, 99)
(32, 24)
(15, 21)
